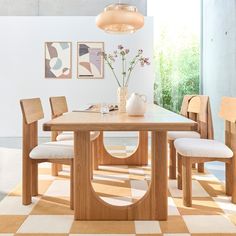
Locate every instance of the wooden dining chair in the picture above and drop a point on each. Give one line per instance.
(58, 108)
(204, 150)
(55, 152)
(192, 111)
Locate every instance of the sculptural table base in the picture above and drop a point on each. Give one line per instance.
(138, 158)
(88, 205)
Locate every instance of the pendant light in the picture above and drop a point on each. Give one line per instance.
(120, 18)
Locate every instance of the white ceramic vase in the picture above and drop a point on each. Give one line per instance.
(136, 105)
(122, 95)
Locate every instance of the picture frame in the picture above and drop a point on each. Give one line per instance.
(90, 62)
(58, 60)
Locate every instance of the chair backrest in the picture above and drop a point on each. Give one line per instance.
(228, 109)
(58, 106)
(228, 113)
(194, 105)
(32, 110)
(184, 106)
(199, 111)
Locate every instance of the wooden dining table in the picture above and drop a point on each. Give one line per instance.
(87, 204)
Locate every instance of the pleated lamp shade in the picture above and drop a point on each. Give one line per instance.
(120, 19)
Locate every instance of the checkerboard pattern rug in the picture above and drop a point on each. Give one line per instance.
(211, 214)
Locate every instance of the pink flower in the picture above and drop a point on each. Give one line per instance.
(120, 47)
(122, 52)
(140, 51)
(144, 61)
(111, 57)
(126, 51)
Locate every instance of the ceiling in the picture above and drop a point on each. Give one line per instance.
(61, 7)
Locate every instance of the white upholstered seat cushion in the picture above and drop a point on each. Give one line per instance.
(173, 135)
(190, 147)
(64, 136)
(53, 150)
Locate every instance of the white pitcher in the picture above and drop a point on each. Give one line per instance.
(136, 105)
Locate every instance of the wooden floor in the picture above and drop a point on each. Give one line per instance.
(211, 213)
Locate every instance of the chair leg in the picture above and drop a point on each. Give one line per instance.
(26, 181)
(187, 182)
(34, 182)
(59, 167)
(54, 169)
(228, 179)
(233, 176)
(200, 167)
(179, 177)
(72, 185)
(172, 165)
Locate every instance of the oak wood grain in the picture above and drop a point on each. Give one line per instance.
(156, 118)
(58, 105)
(87, 205)
(31, 110)
(228, 113)
(138, 158)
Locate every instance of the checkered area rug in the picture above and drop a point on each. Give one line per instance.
(211, 214)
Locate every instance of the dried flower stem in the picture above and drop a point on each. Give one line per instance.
(123, 70)
(112, 69)
(130, 71)
(122, 53)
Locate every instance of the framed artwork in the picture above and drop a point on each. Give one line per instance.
(90, 62)
(58, 60)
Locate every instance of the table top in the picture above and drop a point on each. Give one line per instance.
(156, 118)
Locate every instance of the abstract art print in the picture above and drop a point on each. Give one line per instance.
(90, 62)
(58, 60)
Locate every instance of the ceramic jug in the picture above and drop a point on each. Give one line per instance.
(136, 105)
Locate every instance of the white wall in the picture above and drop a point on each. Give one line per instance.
(22, 65)
(219, 55)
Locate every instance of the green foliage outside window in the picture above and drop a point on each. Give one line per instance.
(177, 67)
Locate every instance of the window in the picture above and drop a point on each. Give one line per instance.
(177, 50)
